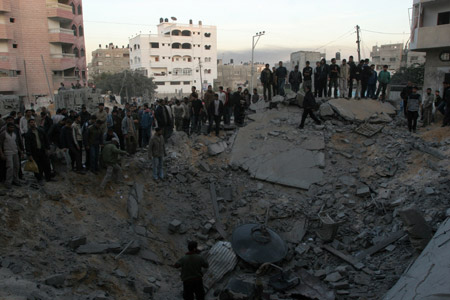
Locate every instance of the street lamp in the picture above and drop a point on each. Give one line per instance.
(258, 36)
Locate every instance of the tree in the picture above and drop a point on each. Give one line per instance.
(415, 74)
(131, 83)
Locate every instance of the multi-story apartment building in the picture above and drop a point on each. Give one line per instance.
(177, 57)
(111, 59)
(430, 33)
(390, 55)
(300, 58)
(41, 45)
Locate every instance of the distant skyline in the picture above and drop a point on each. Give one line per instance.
(290, 25)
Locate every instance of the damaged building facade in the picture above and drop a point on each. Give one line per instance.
(430, 33)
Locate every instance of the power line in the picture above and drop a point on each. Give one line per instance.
(341, 37)
(392, 33)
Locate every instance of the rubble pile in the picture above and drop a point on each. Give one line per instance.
(353, 219)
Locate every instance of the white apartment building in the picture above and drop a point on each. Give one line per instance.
(177, 57)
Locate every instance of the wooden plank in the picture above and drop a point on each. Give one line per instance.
(218, 224)
(381, 245)
(351, 260)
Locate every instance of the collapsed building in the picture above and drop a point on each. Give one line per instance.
(341, 210)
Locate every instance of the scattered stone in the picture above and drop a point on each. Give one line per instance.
(134, 198)
(419, 231)
(368, 143)
(429, 191)
(363, 191)
(76, 242)
(326, 110)
(174, 226)
(333, 277)
(151, 256)
(56, 280)
(217, 148)
(98, 248)
(202, 165)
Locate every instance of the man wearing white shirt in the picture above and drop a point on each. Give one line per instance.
(23, 124)
(222, 95)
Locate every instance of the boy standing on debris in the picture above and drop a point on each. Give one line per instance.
(413, 105)
(191, 273)
(156, 152)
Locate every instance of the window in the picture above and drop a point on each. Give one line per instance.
(207, 47)
(175, 83)
(73, 8)
(445, 56)
(176, 46)
(12, 20)
(15, 46)
(76, 52)
(74, 28)
(126, 55)
(177, 71)
(414, 58)
(186, 33)
(160, 83)
(100, 63)
(207, 59)
(82, 52)
(186, 82)
(83, 74)
(176, 32)
(187, 71)
(80, 31)
(131, 61)
(392, 59)
(154, 45)
(444, 18)
(77, 72)
(207, 34)
(79, 9)
(187, 46)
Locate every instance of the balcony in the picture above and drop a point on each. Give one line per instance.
(5, 5)
(59, 12)
(431, 37)
(63, 61)
(8, 61)
(61, 35)
(9, 84)
(5, 32)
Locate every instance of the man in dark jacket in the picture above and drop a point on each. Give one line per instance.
(307, 76)
(68, 144)
(323, 77)
(316, 78)
(266, 80)
(334, 78)
(295, 79)
(309, 104)
(85, 115)
(406, 92)
(37, 147)
(446, 100)
(191, 273)
(352, 65)
(216, 111)
(238, 108)
(281, 78)
(365, 76)
(93, 142)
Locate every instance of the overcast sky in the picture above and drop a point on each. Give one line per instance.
(290, 25)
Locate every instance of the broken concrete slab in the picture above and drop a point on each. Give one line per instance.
(418, 229)
(363, 191)
(56, 280)
(217, 148)
(97, 248)
(134, 198)
(149, 255)
(294, 159)
(326, 110)
(360, 110)
(427, 277)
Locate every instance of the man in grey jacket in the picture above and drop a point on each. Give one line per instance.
(157, 152)
(413, 105)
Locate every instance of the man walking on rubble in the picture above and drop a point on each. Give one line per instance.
(309, 104)
(191, 273)
(110, 158)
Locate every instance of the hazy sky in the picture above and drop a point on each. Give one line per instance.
(290, 25)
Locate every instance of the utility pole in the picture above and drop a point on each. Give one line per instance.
(358, 41)
(258, 36)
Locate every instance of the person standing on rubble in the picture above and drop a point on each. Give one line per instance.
(157, 152)
(307, 76)
(352, 65)
(446, 99)
(333, 78)
(427, 108)
(281, 73)
(316, 79)
(37, 147)
(266, 80)
(414, 101)
(384, 78)
(324, 70)
(191, 273)
(102, 115)
(295, 79)
(344, 77)
(407, 90)
(309, 104)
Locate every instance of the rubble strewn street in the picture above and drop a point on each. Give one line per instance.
(354, 211)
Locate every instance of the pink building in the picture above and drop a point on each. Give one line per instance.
(41, 45)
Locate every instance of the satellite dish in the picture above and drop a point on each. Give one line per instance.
(173, 18)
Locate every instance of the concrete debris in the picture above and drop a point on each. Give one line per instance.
(97, 248)
(134, 198)
(427, 277)
(222, 260)
(217, 148)
(150, 256)
(419, 231)
(363, 191)
(310, 287)
(368, 130)
(238, 290)
(360, 110)
(56, 280)
(174, 226)
(76, 242)
(326, 110)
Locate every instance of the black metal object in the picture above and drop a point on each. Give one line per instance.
(257, 244)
